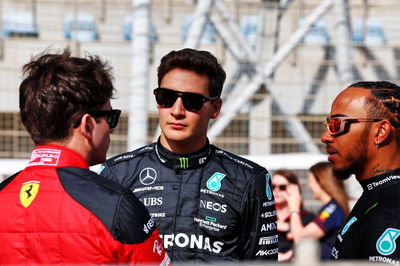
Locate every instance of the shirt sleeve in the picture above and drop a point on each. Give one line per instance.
(136, 234)
(330, 217)
(259, 236)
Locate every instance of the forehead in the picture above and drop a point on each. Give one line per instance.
(279, 179)
(350, 102)
(185, 80)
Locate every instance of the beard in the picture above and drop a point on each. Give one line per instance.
(356, 159)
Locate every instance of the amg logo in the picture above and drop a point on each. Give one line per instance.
(268, 240)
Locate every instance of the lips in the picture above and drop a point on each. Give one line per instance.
(332, 153)
(175, 125)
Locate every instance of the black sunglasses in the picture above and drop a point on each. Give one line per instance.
(191, 101)
(112, 117)
(281, 187)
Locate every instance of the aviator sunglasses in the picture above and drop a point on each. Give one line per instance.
(191, 101)
(112, 117)
(337, 125)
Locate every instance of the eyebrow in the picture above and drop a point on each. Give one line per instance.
(338, 115)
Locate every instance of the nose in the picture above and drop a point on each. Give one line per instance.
(326, 137)
(178, 109)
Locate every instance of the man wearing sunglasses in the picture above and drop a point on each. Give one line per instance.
(210, 205)
(57, 211)
(363, 138)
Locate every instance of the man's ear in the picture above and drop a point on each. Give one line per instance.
(383, 131)
(87, 126)
(216, 105)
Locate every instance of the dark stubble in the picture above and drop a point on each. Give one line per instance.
(356, 158)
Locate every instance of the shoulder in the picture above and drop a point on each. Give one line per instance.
(132, 155)
(237, 162)
(115, 206)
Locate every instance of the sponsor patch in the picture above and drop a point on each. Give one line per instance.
(268, 190)
(268, 227)
(45, 157)
(28, 192)
(147, 176)
(214, 206)
(268, 240)
(214, 182)
(199, 242)
(209, 224)
(386, 243)
(267, 252)
(348, 224)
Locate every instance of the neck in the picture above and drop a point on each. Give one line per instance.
(325, 198)
(384, 160)
(184, 147)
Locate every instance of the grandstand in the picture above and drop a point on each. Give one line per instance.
(285, 59)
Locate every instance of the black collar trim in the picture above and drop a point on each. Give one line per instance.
(184, 161)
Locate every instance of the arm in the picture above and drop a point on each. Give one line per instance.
(258, 238)
(298, 230)
(136, 237)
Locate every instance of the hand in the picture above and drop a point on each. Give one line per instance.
(293, 197)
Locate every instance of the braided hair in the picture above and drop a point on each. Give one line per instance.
(384, 101)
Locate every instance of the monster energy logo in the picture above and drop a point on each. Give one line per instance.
(184, 162)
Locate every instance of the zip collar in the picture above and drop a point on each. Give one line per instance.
(184, 161)
(56, 156)
(381, 181)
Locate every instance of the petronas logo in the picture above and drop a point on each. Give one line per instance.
(184, 162)
(386, 244)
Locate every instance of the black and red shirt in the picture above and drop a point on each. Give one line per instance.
(57, 211)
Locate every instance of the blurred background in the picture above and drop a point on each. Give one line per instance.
(285, 60)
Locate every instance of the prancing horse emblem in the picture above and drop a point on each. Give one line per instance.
(147, 176)
(28, 192)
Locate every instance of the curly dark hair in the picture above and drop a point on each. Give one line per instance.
(57, 89)
(200, 62)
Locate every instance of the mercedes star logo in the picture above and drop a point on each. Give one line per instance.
(148, 176)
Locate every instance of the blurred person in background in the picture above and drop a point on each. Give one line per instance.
(331, 192)
(281, 179)
(363, 138)
(210, 205)
(57, 211)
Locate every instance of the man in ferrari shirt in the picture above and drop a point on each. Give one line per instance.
(57, 211)
(209, 205)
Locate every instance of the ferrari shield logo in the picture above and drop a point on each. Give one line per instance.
(28, 192)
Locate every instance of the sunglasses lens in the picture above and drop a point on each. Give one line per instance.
(192, 102)
(166, 98)
(334, 125)
(113, 118)
(280, 187)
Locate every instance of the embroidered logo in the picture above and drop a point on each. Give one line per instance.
(28, 192)
(147, 176)
(268, 190)
(386, 243)
(348, 224)
(214, 182)
(184, 162)
(45, 157)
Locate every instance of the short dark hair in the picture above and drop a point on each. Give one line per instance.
(200, 62)
(57, 89)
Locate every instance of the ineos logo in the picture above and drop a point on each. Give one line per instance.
(148, 176)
